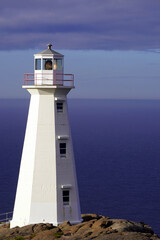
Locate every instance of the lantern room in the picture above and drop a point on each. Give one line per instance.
(48, 67)
(49, 70)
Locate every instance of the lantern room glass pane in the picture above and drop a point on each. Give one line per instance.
(58, 64)
(47, 64)
(38, 64)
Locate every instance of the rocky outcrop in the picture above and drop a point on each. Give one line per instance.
(92, 227)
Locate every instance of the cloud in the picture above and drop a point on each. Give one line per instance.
(80, 24)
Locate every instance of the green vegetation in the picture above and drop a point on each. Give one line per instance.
(19, 238)
(32, 235)
(88, 234)
(58, 234)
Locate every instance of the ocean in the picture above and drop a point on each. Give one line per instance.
(117, 154)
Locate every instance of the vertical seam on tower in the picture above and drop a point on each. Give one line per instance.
(55, 154)
(34, 154)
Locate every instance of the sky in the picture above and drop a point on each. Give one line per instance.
(111, 46)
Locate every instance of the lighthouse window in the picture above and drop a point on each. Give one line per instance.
(47, 64)
(57, 64)
(65, 197)
(59, 107)
(38, 64)
(62, 149)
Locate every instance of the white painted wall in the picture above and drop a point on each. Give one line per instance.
(42, 170)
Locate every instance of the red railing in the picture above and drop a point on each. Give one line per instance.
(56, 79)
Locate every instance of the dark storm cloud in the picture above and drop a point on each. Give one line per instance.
(80, 24)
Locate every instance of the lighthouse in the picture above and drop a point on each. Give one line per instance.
(47, 190)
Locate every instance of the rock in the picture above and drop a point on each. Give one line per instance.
(6, 225)
(129, 226)
(52, 234)
(24, 231)
(3, 231)
(93, 227)
(42, 227)
(102, 223)
(102, 227)
(88, 217)
(65, 224)
(65, 227)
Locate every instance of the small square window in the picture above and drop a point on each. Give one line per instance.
(59, 107)
(65, 197)
(62, 149)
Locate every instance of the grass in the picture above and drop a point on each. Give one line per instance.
(58, 234)
(88, 234)
(19, 238)
(32, 235)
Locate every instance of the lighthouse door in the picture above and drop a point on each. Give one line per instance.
(67, 213)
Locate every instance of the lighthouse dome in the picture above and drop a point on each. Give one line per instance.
(50, 51)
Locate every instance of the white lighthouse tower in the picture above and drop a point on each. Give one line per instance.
(47, 189)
